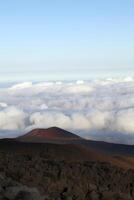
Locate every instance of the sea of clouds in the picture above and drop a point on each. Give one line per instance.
(98, 109)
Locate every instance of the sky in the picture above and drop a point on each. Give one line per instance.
(63, 40)
(68, 63)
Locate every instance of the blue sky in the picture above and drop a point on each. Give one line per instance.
(70, 39)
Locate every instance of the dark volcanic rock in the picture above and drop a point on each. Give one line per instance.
(12, 190)
(22, 193)
(60, 172)
(60, 180)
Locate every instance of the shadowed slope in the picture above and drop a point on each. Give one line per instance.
(76, 148)
(66, 152)
(61, 136)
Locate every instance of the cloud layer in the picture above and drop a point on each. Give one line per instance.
(104, 107)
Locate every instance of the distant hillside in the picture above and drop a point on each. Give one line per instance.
(60, 136)
(50, 134)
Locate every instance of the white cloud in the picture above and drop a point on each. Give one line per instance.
(125, 121)
(48, 119)
(3, 105)
(12, 118)
(101, 105)
(20, 86)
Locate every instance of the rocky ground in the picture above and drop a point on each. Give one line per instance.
(58, 180)
(36, 173)
(12, 190)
